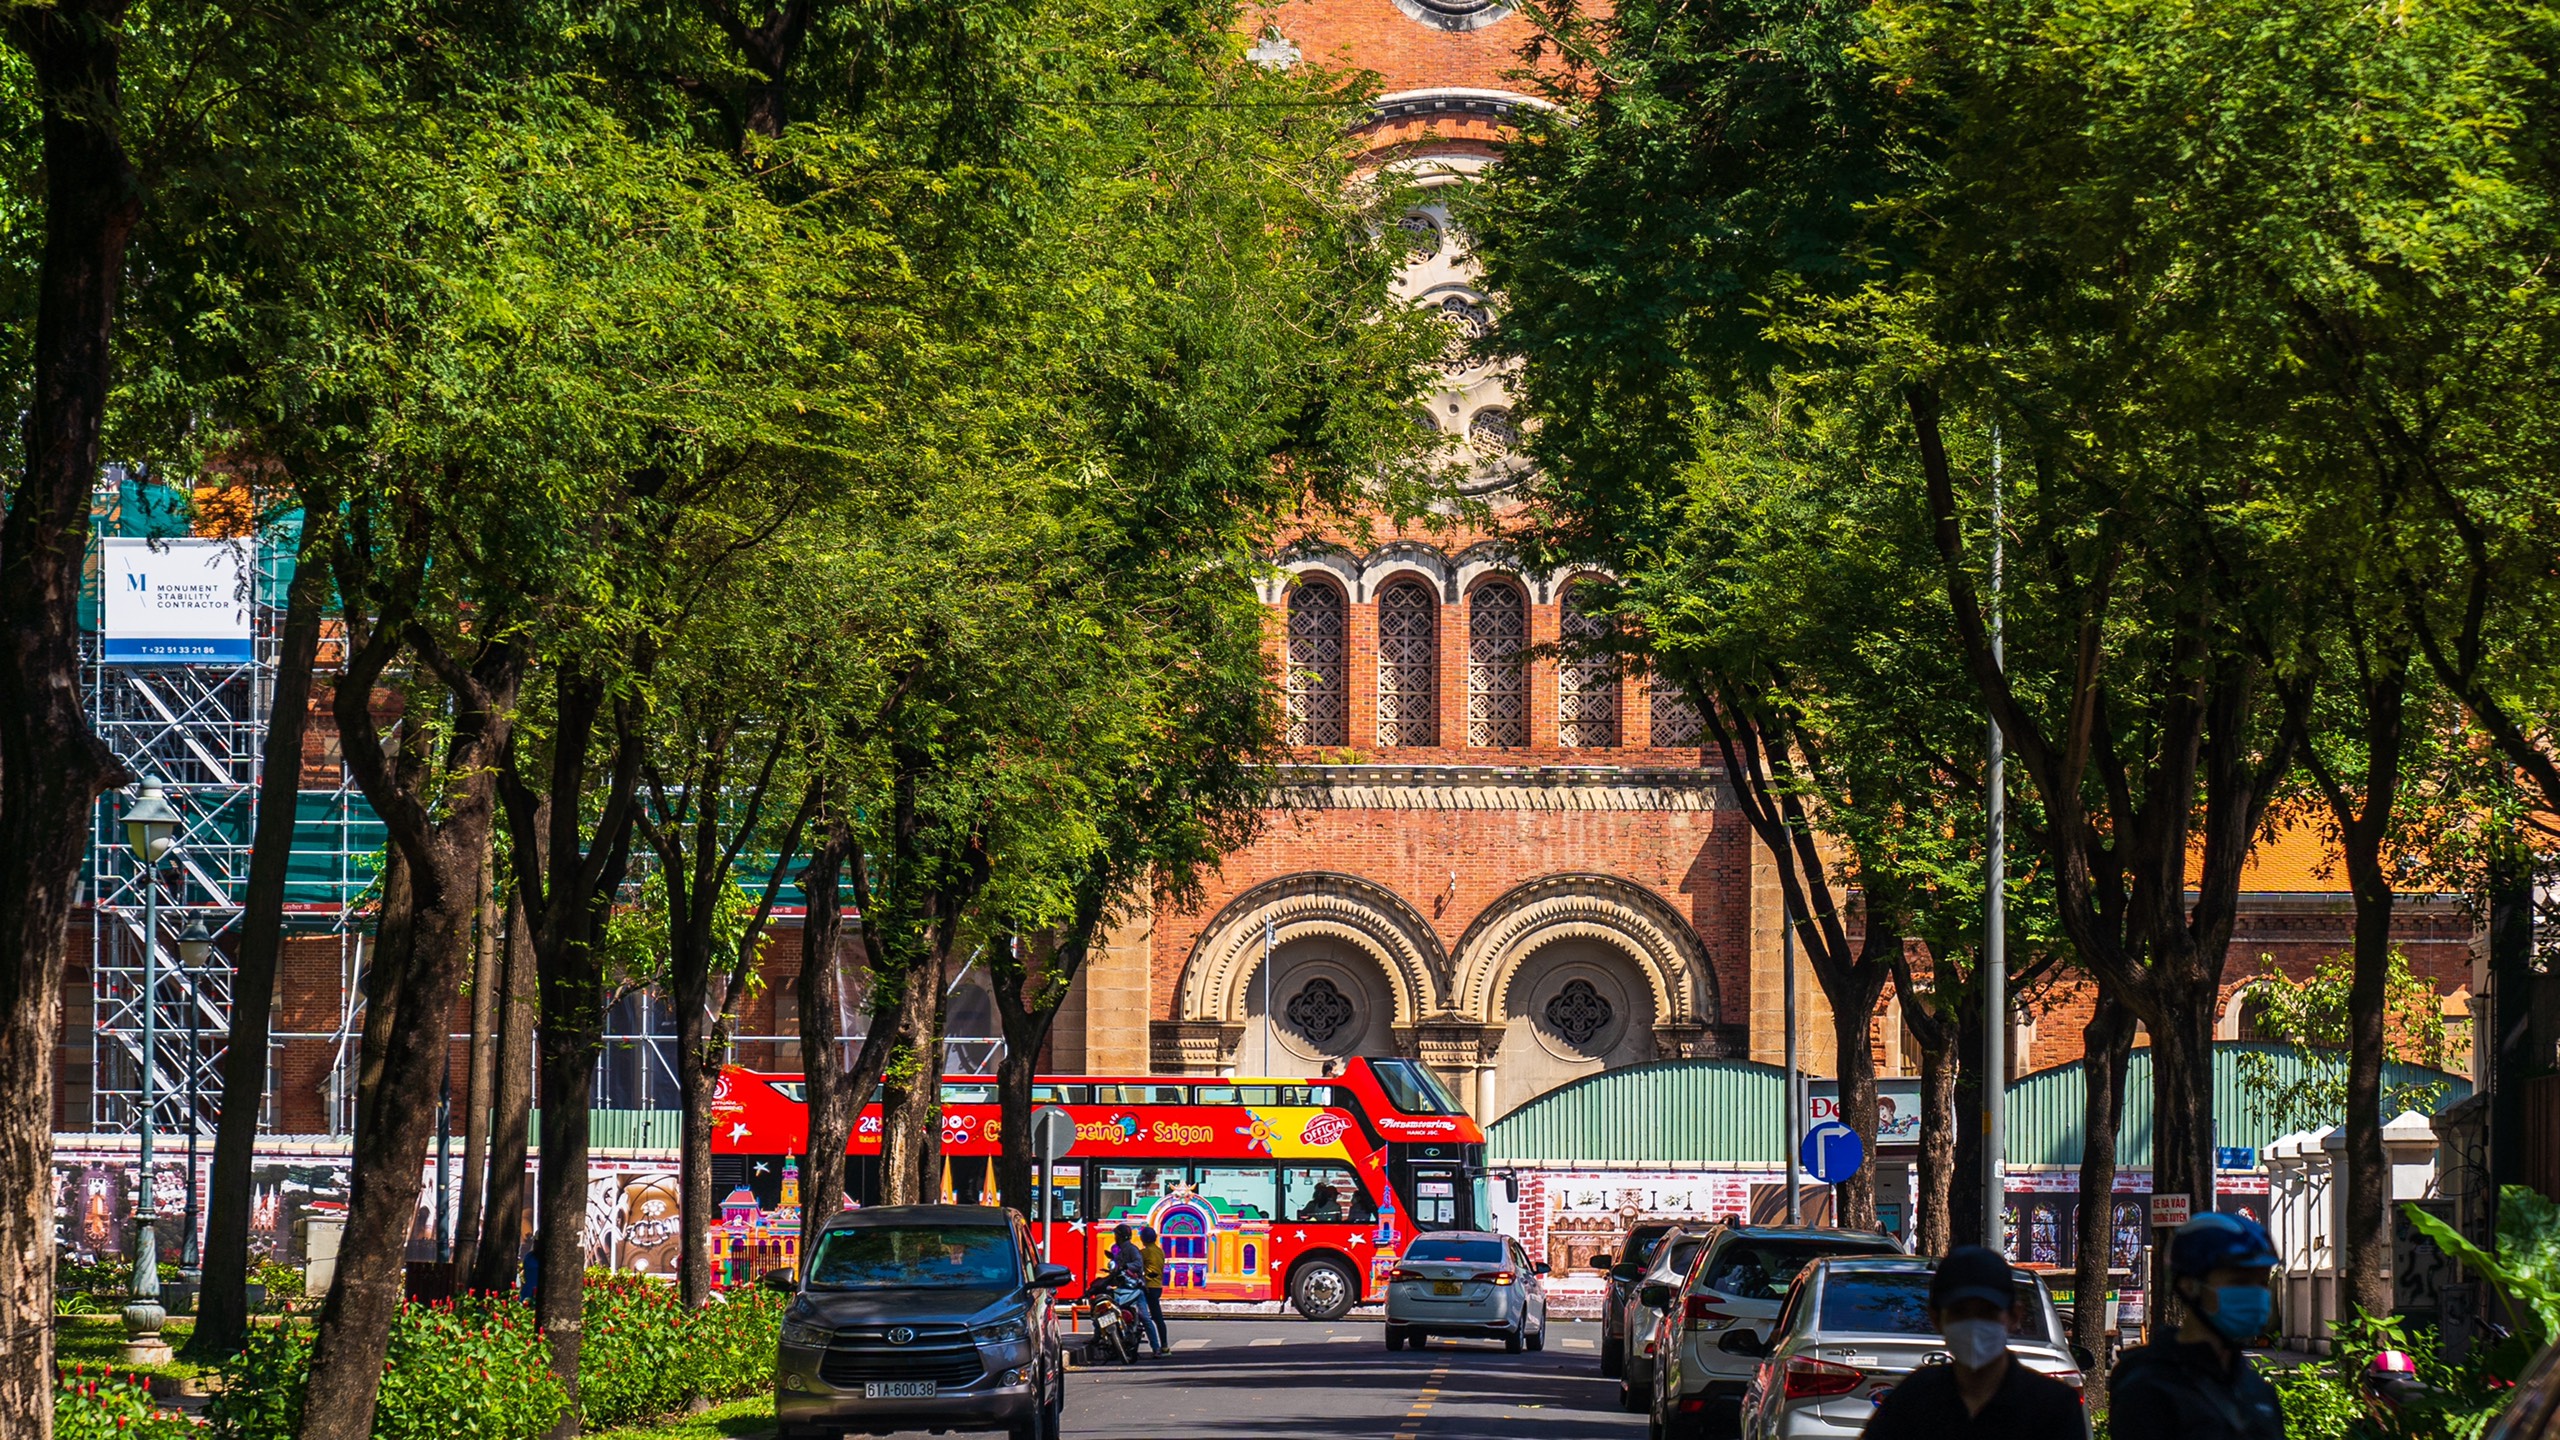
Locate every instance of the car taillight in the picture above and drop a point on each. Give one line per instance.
(1699, 1313)
(1810, 1379)
(1501, 1277)
(1401, 1273)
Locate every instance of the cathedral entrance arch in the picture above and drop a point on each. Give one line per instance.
(1579, 974)
(1353, 965)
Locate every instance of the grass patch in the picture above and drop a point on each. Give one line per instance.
(96, 1342)
(737, 1420)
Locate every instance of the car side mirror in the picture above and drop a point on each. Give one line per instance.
(780, 1281)
(1656, 1296)
(1511, 1187)
(1052, 1277)
(1743, 1342)
(1542, 1268)
(2080, 1355)
(1630, 1271)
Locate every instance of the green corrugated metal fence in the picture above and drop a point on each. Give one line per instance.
(2044, 1108)
(1733, 1112)
(1680, 1112)
(619, 1130)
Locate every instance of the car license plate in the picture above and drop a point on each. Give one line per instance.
(1444, 1287)
(898, 1389)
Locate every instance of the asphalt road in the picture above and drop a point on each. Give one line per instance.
(1294, 1380)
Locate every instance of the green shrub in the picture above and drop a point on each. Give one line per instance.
(260, 1397)
(635, 1359)
(733, 1343)
(283, 1282)
(101, 1405)
(474, 1367)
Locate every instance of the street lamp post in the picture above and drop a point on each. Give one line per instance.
(195, 947)
(151, 833)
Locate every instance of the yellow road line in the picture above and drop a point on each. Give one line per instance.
(1422, 1404)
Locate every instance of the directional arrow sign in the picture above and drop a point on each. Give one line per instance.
(1832, 1152)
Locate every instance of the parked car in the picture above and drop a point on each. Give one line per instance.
(1720, 1309)
(1640, 1314)
(1623, 1278)
(913, 1317)
(1467, 1282)
(1854, 1326)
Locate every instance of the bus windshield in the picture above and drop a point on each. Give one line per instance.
(1412, 1089)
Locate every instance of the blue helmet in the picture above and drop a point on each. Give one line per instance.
(2212, 1241)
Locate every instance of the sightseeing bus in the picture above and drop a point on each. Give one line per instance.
(1304, 1190)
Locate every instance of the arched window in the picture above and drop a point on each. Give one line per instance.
(1319, 713)
(1408, 664)
(1676, 722)
(1497, 666)
(1586, 684)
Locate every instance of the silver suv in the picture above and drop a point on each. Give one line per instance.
(1718, 1311)
(1854, 1327)
(922, 1317)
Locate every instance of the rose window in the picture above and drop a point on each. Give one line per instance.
(1579, 1012)
(1320, 1011)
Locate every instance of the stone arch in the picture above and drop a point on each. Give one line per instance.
(1470, 566)
(1311, 558)
(1368, 917)
(1403, 557)
(1617, 913)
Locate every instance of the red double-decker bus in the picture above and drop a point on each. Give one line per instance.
(1304, 1190)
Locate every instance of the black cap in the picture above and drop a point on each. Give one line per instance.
(1971, 1272)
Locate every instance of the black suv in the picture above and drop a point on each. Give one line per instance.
(914, 1317)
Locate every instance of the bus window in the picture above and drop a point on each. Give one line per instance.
(1258, 1095)
(1324, 1190)
(1412, 1089)
(1127, 1192)
(1061, 1094)
(1245, 1189)
(1070, 1194)
(970, 1092)
(1305, 1095)
(1217, 1095)
(1141, 1095)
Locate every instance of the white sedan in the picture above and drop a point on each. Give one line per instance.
(1469, 1283)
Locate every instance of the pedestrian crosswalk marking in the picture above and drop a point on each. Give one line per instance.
(1193, 1344)
(1579, 1345)
(1267, 1340)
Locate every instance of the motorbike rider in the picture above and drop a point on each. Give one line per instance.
(1125, 1268)
(2199, 1385)
(1153, 1254)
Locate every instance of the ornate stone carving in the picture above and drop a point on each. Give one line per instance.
(1363, 915)
(1614, 912)
(1497, 787)
(1193, 1047)
(1320, 1010)
(1578, 1012)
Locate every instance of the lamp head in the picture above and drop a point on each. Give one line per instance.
(151, 825)
(195, 944)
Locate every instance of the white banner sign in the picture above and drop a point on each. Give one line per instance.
(175, 602)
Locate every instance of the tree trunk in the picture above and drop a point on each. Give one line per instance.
(1931, 1227)
(910, 1102)
(1965, 1218)
(572, 1032)
(52, 766)
(831, 1099)
(1853, 1009)
(502, 1216)
(487, 975)
(2182, 1112)
(409, 1015)
(2367, 1243)
(222, 1304)
(2107, 1049)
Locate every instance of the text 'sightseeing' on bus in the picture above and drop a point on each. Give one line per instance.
(1304, 1190)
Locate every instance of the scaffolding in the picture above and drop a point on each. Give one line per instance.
(200, 732)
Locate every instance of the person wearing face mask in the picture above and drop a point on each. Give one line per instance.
(1981, 1394)
(2199, 1385)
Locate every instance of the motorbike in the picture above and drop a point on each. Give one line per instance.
(1116, 1320)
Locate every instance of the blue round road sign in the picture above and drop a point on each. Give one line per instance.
(1832, 1152)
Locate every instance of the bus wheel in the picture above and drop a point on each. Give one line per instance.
(1322, 1290)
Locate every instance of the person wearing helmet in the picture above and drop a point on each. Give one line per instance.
(2199, 1384)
